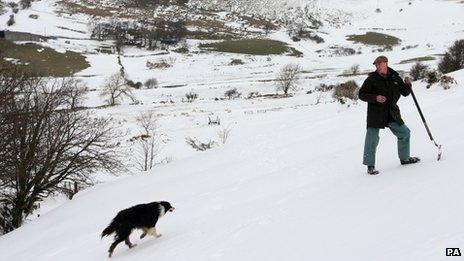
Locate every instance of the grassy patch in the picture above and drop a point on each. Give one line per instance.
(74, 8)
(373, 38)
(43, 60)
(199, 35)
(418, 59)
(252, 46)
(105, 49)
(182, 49)
(161, 64)
(236, 62)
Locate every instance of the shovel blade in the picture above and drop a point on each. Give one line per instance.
(439, 151)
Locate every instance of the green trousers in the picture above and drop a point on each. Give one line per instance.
(403, 134)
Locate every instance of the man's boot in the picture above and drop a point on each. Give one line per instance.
(372, 171)
(410, 160)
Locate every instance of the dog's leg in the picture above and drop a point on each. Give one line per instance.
(155, 234)
(145, 231)
(152, 231)
(128, 243)
(113, 246)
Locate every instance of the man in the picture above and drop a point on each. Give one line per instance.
(382, 90)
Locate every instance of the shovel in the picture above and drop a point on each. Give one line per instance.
(426, 126)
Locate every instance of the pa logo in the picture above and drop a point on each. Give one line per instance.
(453, 252)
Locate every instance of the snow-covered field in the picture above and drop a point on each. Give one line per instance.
(288, 184)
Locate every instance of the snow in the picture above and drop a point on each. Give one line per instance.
(289, 183)
(48, 23)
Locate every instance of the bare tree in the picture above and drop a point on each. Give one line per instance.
(353, 70)
(44, 145)
(223, 134)
(148, 141)
(115, 89)
(288, 78)
(74, 91)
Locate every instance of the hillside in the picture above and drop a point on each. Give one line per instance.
(288, 184)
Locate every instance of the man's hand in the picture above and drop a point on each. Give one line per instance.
(380, 98)
(407, 80)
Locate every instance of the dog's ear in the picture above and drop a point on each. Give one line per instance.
(167, 206)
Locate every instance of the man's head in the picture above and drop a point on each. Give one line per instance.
(381, 64)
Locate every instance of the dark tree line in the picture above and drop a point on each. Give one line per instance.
(44, 143)
(151, 3)
(149, 35)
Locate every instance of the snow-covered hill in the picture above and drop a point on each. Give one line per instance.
(288, 184)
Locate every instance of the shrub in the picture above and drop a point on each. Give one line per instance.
(12, 5)
(252, 95)
(347, 90)
(453, 59)
(182, 49)
(407, 47)
(212, 121)
(135, 85)
(198, 145)
(316, 38)
(419, 71)
(431, 77)
(25, 4)
(223, 134)
(11, 21)
(342, 51)
(236, 62)
(191, 96)
(447, 81)
(295, 39)
(324, 87)
(151, 83)
(232, 94)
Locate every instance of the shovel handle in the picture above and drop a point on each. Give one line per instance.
(421, 114)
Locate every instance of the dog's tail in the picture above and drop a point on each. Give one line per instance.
(110, 229)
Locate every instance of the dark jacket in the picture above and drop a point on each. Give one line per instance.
(391, 86)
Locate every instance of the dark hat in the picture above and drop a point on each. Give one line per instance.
(380, 59)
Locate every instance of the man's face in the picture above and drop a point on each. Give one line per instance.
(382, 67)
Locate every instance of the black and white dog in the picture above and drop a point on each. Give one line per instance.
(143, 216)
